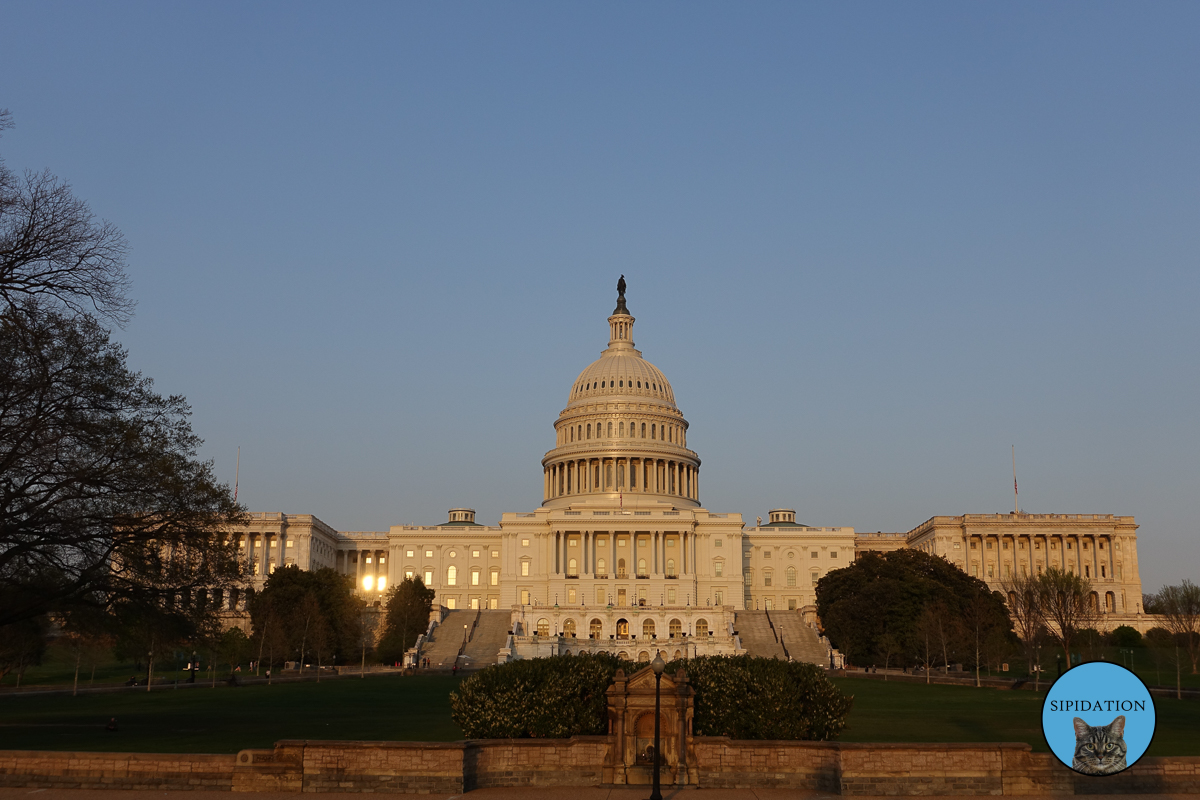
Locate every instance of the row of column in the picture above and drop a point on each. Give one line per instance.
(1067, 558)
(589, 553)
(258, 552)
(363, 570)
(629, 474)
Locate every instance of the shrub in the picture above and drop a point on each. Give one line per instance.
(555, 698)
(1126, 636)
(741, 697)
(744, 697)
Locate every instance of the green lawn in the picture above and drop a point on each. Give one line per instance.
(893, 711)
(225, 720)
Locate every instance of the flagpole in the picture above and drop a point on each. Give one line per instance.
(1016, 506)
(236, 472)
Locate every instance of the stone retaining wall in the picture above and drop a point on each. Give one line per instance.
(452, 768)
(115, 770)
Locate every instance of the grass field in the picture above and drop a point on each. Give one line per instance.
(225, 720)
(1155, 667)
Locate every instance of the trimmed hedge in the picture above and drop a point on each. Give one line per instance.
(741, 697)
(744, 697)
(554, 698)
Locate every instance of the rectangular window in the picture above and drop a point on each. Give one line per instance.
(451, 602)
(524, 597)
(524, 543)
(273, 544)
(429, 554)
(671, 596)
(495, 578)
(791, 604)
(474, 554)
(766, 579)
(769, 604)
(495, 554)
(670, 542)
(718, 568)
(620, 542)
(409, 553)
(815, 578)
(718, 543)
(833, 554)
(958, 545)
(600, 596)
(571, 596)
(474, 603)
(572, 542)
(525, 568)
(813, 554)
(718, 596)
(475, 577)
(429, 577)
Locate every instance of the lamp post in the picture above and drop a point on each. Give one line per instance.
(192, 677)
(658, 665)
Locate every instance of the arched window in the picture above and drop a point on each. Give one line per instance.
(451, 576)
(670, 568)
(569, 628)
(648, 628)
(1110, 602)
(572, 567)
(610, 430)
(622, 629)
(543, 627)
(595, 627)
(572, 434)
(643, 430)
(641, 567)
(675, 628)
(644, 657)
(620, 568)
(589, 430)
(702, 627)
(620, 429)
(581, 433)
(791, 576)
(601, 567)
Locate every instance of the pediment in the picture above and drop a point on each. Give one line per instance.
(644, 679)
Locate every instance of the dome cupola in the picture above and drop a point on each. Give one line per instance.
(621, 434)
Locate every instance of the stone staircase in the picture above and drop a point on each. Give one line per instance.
(489, 635)
(757, 637)
(760, 632)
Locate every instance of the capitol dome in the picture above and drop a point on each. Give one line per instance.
(621, 434)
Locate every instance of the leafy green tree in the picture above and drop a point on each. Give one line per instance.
(408, 606)
(22, 644)
(281, 607)
(887, 593)
(1126, 636)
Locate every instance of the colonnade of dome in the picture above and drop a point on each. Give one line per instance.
(621, 432)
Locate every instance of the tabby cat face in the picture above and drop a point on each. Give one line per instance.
(1100, 749)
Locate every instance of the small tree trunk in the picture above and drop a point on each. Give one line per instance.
(75, 687)
(1178, 679)
(149, 673)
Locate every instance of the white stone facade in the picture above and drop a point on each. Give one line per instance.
(621, 537)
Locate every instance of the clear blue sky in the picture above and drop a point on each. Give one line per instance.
(871, 245)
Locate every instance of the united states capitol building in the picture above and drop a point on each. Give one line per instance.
(622, 555)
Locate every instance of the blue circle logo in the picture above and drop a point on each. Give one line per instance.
(1098, 718)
